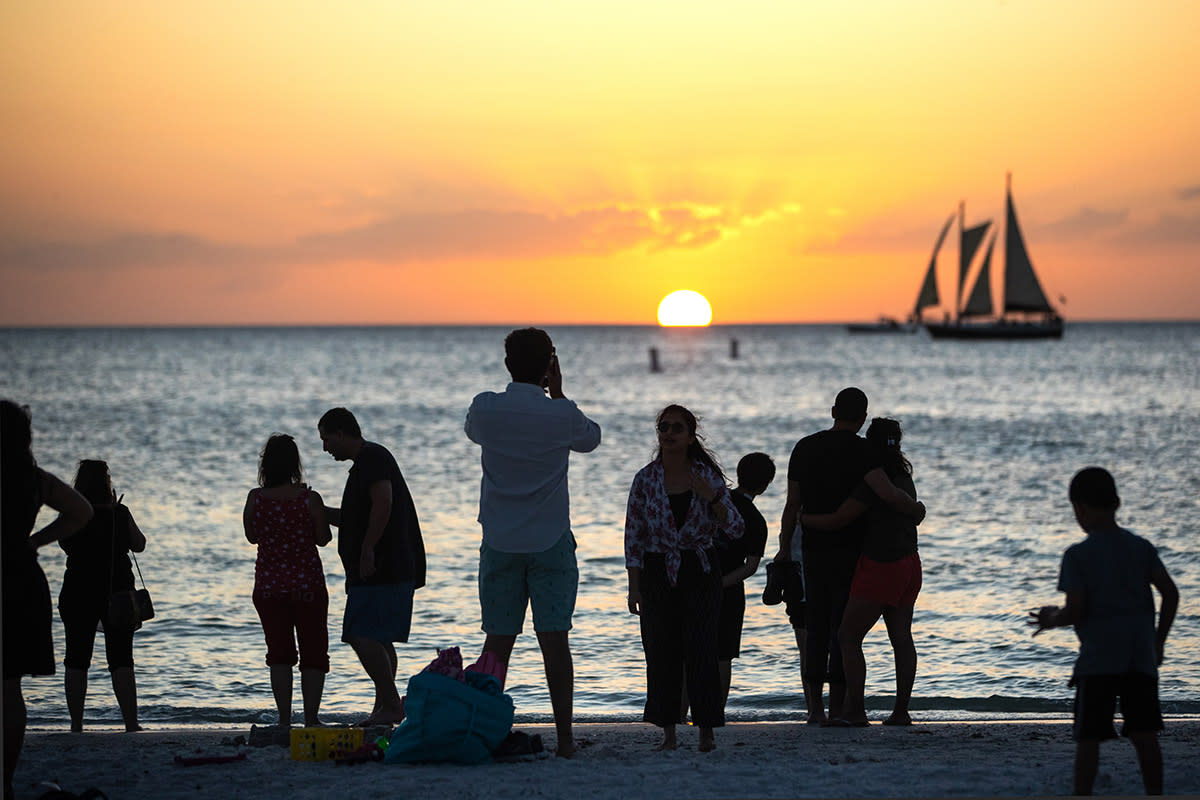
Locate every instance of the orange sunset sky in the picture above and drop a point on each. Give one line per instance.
(552, 162)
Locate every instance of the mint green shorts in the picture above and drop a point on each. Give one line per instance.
(547, 581)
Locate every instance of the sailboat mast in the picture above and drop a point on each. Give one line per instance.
(962, 213)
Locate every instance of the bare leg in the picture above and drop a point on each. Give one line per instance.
(125, 688)
(669, 742)
(312, 685)
(801, 644)
(707, 742)
(860, 616)
(814, 698)
(1149, 756)
(899, 626)
(75, 683)
(560, 679)
(1087, 759)
(379, 661)
(14, 730)
(281, 687)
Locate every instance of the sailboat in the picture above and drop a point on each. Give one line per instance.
(1026, 314)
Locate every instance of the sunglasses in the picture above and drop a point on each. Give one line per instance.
(671, 427)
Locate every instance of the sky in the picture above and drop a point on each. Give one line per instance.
(547, 162)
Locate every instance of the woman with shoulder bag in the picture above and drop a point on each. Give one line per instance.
(287, 521)
(98, 567)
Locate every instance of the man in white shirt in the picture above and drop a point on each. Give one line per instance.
(528, 552)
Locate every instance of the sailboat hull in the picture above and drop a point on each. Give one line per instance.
(1051, 328)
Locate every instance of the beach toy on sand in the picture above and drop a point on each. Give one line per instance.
(321, 744)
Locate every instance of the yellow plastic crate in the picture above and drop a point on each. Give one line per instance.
(321, 744)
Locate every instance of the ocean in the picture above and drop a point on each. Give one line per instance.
(995, 430)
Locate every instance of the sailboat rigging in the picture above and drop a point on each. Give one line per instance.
(1023, 295)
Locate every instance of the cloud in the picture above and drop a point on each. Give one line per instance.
(1084, 223)
(1168, 229)
(401, 239)
(1189, 192)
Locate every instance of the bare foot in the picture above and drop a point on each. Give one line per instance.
(387, 714)
(898, 718)
(707, 742)
(565, 749)
(668, 743)
(134, 728)
(815, 718)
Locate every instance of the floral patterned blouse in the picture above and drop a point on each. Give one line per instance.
(650, 525)
(287, 549)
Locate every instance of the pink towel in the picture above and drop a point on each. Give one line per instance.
(490, 664)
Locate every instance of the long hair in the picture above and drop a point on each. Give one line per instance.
(696, 450)
(279, 462)
(18, 469)
(93, 482)
(885, 434)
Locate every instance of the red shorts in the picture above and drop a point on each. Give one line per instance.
(889, 583)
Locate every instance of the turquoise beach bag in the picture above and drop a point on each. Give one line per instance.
(451, 721)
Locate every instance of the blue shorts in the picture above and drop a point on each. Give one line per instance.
(547, 581)
(382, 612)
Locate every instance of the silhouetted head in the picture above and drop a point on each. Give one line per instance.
(93, 481)
(18, 469)
(16, 433)
(850, 405)
(1095, 488)
(279, 462)
(669, 422)
(885, 434)
(340, 435)
(527, 353)
(755, 472)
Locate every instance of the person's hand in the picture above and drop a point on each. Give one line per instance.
(553, 380)
(635, 603)
(1043, 618)
(701, 487)
(781, 557)
(366, 563)
(1158, 648)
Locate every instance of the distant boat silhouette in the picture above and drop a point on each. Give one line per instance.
(1023, 295)
(884, 325)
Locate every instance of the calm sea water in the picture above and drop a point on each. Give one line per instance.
(995, 431)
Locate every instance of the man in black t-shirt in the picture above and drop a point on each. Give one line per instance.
(379, 542)
(823, 471)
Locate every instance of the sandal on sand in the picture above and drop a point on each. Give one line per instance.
(520, 746)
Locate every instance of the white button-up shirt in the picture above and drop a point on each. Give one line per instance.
(527, 438)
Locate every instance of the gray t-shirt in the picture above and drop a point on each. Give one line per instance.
(1116, 635)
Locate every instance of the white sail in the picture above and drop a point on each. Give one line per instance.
(928, 296)
(969, 244)
(1022, 291)
(979, 304)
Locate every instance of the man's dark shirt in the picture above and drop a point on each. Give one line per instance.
(828, 466)
(400, 553)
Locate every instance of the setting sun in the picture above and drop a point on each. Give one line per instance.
(684, 307)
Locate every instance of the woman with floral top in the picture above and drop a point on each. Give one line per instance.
(287, 521)
(678, 503)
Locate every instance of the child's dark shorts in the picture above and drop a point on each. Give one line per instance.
(1096, 703)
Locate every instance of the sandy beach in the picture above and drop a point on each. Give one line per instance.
(765, 760)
